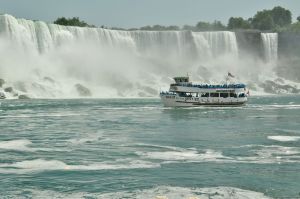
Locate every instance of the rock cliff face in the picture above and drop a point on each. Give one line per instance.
(250, 44)
(83, 91)
(289, 56)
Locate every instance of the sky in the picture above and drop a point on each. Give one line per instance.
(138, 13)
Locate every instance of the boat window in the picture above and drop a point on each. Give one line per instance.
(242, 95)
(233, 95)
(182, 94)
(214, 94)
(205, 95)
(224, 95)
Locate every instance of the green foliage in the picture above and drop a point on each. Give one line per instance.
(117, 28)
(188, 27)
(263, 20)
(160, 28)
(146, 28)
(295, 27)
(238, 23)
(75, 21)
(133, 29)
(278, 17)
(217, 25)
(281, 17)
(205, 26)
(202, 26)
(173, 27)
(298, 18)
(281, 29)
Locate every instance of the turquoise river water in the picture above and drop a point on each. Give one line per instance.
(136, 148)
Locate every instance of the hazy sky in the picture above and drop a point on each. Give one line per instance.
(137, 13)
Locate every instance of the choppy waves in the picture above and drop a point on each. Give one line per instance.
(260, 155)
(284, 138)
(39, 165)
(161, 192)
(123, 149)
(16, 145)
(155, 156)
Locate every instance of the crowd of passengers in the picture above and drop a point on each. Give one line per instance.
(224, 95)
(214, 86)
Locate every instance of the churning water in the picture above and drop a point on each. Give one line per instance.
(136, 148)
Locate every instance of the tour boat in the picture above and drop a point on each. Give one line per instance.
(186, 94)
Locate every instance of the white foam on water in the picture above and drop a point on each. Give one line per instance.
(23, 145)
(42, 115)
(161, 192)
(278, 150)
(261, 155)
(140, 108)
(97, 137)
(39, 165)
(16, 145)
(272, 154)
(186, 155)
(170, 155)
(153, 146)
(82, 140)
(282, 138)
(282, 106)
(87, 138)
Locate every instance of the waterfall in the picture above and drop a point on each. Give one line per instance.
(49, 60)
(216, 43)
(42, 37)
(270, 43)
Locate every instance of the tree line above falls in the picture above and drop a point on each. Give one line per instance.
(278, 19)
(75, 21)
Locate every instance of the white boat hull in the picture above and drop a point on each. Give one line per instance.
(176, 101)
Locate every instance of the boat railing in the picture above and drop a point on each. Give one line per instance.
(167, 93)
(220, 86)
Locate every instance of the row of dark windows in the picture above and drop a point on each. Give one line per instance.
(223, 95)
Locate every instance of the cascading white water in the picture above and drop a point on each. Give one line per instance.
(42, 37)
(216, 43)
(270, 42)
(48, 60)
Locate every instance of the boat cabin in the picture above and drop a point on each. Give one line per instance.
(185, 93)
(181, 80)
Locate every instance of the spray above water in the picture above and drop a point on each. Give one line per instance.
(50, 61)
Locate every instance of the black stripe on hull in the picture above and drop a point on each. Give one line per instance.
(214, 104)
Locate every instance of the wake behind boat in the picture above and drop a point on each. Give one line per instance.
(186, 94)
